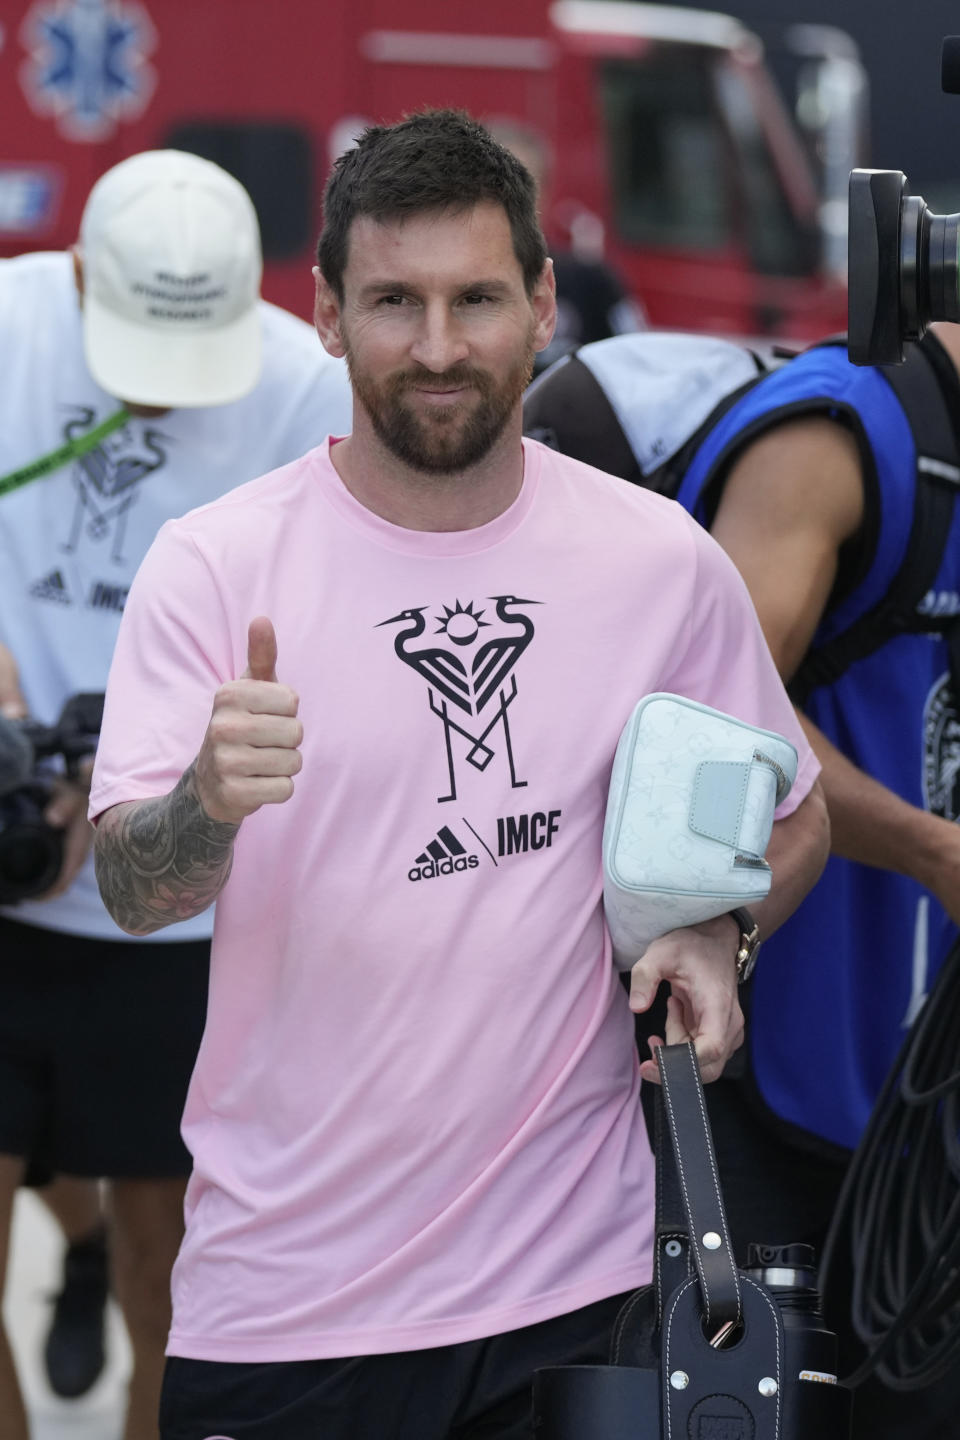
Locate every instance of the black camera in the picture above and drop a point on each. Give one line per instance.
(31, 851)
(903, 260)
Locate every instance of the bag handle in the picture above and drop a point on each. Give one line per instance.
(699, 1186)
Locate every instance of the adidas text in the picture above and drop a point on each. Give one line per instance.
(443, 867)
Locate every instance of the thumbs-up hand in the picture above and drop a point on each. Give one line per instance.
(250, 752)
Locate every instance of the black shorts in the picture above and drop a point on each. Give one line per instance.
(481, 1388)
(97, 1043)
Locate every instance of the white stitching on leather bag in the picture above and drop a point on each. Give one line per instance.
(686, 1195)
(716, 1189)
(631, 1304)
(760, 1291)
(666, 1362)
(666, 1350)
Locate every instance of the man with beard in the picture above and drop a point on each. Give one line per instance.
(420, 1166)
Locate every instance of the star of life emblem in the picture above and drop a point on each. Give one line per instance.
(87, 64)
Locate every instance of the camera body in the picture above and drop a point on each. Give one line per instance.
(903, 260)
(31, 850)
(904, 267)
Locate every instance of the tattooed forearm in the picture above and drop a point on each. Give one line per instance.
(161, 860)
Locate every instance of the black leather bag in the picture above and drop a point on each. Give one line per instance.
(707, 1351)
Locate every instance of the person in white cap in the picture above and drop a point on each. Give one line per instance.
(143, 376)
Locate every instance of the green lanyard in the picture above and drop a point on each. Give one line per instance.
(72, 450)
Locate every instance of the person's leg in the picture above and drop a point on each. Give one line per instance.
(125, 1069)
(74, 1353)
(28, 1030)
(147, 1229)
(13, 1419)
(75, 1205)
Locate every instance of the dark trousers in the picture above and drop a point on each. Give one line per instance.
(477, 1390)
(777, 1193)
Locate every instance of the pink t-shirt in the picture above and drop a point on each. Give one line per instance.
(414, 1117)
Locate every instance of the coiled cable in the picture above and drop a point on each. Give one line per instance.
(898, 1214)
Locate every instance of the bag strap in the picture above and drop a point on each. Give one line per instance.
(671, 1253)
(71, 450)
(694, 1170)
(927, 389)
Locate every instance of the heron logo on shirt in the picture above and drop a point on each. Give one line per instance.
(468, 674)
(107, 480)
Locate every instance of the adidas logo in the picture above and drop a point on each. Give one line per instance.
(52, 587)
(443, 856)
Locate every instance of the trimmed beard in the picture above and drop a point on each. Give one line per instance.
(443, 444)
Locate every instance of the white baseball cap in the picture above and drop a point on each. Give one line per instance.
(171, 263)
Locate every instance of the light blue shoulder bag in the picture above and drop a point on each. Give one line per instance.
(689, 816)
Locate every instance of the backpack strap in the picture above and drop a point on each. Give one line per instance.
(573, 415)
(667, 478)
(928, 390)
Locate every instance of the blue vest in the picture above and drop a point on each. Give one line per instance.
(838, 985)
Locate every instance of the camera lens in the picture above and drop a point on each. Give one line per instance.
(31, 851)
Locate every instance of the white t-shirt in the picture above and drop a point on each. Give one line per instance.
(414, 1115)
(70, 542)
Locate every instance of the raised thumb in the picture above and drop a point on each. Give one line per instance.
(261, 650)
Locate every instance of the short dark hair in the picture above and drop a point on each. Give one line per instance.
(432, 160)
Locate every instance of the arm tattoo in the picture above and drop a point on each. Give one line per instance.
(162, 860)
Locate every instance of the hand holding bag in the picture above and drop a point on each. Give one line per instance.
(689, 815)
(707, 1352)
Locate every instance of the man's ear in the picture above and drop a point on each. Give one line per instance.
(77, 258)
(326, 316)
(544, 304)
